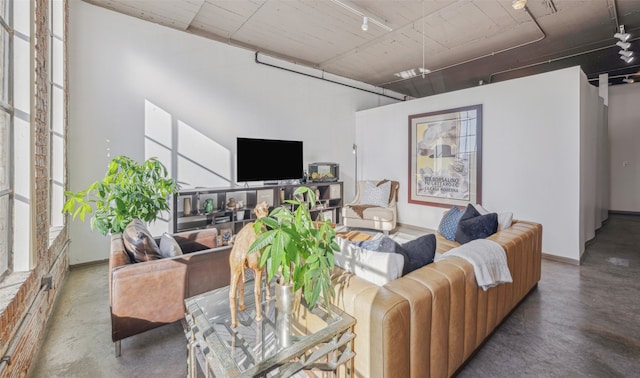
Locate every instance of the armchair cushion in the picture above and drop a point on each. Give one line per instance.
(169, 247)
(376, 195)
(139, 243)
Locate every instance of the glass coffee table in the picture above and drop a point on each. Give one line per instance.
(319, 340)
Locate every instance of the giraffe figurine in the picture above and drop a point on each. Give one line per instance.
(239, 260)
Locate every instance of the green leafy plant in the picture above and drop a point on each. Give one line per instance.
(297, 248)
(129, 190)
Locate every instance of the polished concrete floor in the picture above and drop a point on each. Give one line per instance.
(580, 322)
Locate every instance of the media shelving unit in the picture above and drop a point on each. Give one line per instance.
(329, 204)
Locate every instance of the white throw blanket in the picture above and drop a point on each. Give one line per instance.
(489, 261)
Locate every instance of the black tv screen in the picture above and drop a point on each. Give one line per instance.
(268, 160)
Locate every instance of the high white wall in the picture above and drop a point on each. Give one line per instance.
(624, 137)
(594, 165)
(140, 89)
(531, 152)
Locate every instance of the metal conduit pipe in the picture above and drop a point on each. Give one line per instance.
(555, 60)
(526, 9)
(404, 98)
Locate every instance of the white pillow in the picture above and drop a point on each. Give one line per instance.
(376, 195)
(376, 267)
(504, 219)
(169, 247)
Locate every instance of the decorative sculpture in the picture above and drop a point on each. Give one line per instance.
(239, 261)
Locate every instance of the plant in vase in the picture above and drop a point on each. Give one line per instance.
(129, 190)
(297, 249)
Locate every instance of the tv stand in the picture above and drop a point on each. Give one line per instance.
(329, 204)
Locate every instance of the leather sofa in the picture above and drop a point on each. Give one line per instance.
(429, 322)
(146, 295)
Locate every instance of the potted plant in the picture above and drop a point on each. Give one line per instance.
(298, 249)
(129, 190)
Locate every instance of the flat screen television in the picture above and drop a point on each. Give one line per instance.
(268, 160)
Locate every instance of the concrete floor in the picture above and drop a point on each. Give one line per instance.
(580, 322)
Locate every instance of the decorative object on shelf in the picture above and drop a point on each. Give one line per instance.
(240, 215)
(240, 204)
(208, 205)
(240, 259)
(297, 249)
(227, 234)
(231, 204)
(128, 191)
(322, 172)
(186, 206)
(442, 171)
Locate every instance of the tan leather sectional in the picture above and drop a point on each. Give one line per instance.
(429, 322)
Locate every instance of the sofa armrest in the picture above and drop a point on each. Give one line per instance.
(382, 330)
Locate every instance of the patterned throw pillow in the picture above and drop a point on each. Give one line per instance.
(376, 195)
(449, 223)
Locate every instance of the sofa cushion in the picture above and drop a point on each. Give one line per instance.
(139, 243)
(449, 223)
(376, 267)
(376, 195)
(504, 219)
(474, 226)
(169, 247)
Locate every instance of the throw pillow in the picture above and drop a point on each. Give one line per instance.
(449, 223)
(504, 219)
(169, 247)
(139, 243)
(477, 227)
(421, 252)
(376, 195)
(375, 267)
(416, 253)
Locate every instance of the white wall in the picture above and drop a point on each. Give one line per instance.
(593, 162)
(140, 89)
(531, 152)
(624, 139)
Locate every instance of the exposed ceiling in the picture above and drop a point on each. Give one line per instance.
(462, 42)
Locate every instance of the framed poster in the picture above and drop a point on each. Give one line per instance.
(445, 157)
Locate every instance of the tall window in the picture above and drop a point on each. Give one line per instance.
(6, 136)
(56, 116)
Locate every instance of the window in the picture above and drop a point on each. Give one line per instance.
(6, 137)
(56, 116)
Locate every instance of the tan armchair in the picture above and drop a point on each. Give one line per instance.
(359, 215)
(149, 294)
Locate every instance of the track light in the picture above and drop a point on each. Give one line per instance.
(623, 45)
(518, 4)
(624, 37)
(628, 81)
(365, 23)
(625, 53)
(627, 59)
